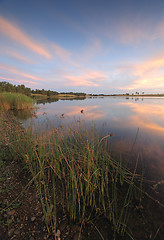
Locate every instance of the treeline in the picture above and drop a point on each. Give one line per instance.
(74, 93)
(8, 87)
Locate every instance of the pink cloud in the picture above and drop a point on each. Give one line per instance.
(149, 75)
(18, 80)
(20, 57)
(61, 52)
(80, 81)
(142, 75)
(13, 32)
(18, 72)
(128, 32)
(87, 78)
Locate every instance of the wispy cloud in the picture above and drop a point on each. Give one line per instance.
(133, 30)
(17, 72)
(15, 33)
(52, 50)
(87, 79)
(19, 57)
(144, 75)
(149, 75)
(15, 80)
(129, 32)
(60, 52)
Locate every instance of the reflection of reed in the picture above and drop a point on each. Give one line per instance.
(24, 114)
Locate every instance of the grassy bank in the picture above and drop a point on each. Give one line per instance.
(15, 101)
(75, 174)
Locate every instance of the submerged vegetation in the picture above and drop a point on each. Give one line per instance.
(15, 101)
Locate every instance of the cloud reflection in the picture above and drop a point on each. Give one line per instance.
(90, 112)
(146, 116)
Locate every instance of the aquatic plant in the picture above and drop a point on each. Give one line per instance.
(73, 167)
(15, 101)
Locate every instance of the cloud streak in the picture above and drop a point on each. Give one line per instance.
(134, 30)
(18, 80)
(149, 75)
(142, 75)
(20, 57)
(16, 71)
(61, 52)
(87, 79)
(15, 33)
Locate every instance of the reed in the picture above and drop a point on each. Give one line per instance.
(15, 101)
(73, 167)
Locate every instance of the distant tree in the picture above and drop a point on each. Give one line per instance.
(28, 91)
(8, 87)
(43, 92)
(49, 93)
(37, 91)
(55, 93)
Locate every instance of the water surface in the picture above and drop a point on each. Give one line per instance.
(136, 123)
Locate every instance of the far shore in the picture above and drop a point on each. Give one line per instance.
(72, 96)
(126, 95)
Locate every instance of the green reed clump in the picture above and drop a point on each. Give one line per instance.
(73, 167)
(15, 101)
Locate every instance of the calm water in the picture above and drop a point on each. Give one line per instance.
(131, 120)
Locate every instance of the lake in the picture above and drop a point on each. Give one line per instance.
(137, 125)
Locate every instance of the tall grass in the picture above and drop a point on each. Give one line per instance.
(15, 101)
(72, 167)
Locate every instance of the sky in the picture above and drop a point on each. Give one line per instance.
(91, 46)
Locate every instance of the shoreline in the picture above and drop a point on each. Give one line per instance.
(74, 97)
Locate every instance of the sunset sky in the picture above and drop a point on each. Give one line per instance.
(91, 46)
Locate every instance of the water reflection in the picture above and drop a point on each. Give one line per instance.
(51, 100)
(123, 117)
(23, 114)
(47, 100)
(147, 116)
